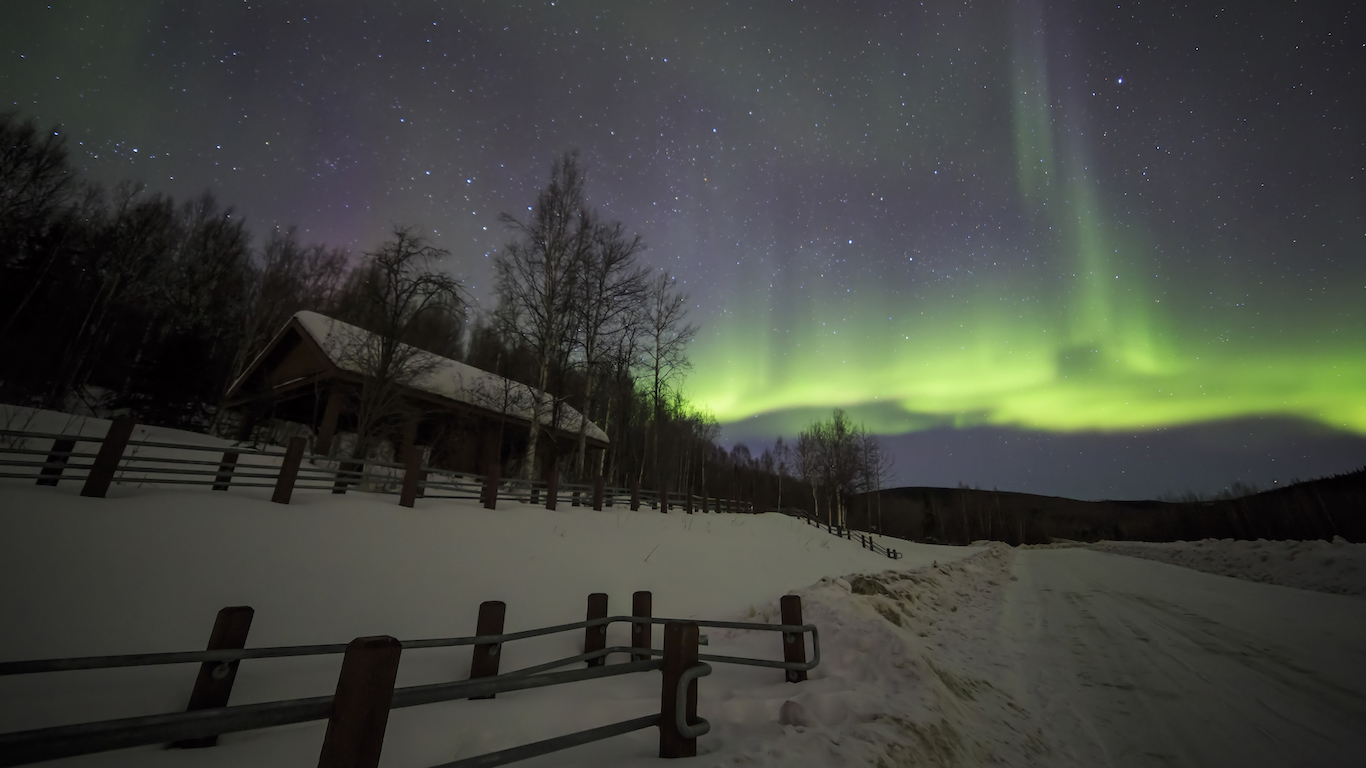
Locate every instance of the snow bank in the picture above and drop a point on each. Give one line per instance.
(1336, 566)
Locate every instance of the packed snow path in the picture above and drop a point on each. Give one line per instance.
(1137, 663)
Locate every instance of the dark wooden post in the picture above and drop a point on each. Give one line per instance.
(486, 655)
(595, 638)
(794, 643)
(360, 708)
(599, 488)
(348, 474)
(323, 443)
(680, 653)
(687, 503)
(664, 498)
(641, 632)
(56, 461)
(552, 488)
(412, 477)
(635, 496)
(289, 470)
(213, 686)
(704, 501)
(490, 497)
(107, 460)
(226, 467)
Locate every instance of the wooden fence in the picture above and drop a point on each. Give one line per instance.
(98, 462)
(358, 712)
(865, 540)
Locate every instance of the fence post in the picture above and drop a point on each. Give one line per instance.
(412, 477)
(595, 638)
(641, 632)
(664, 498)
(107, 460)
(680, 653)
(687, 503)
(794, 643)
(56, 461)
(225, 470)
(704, 501)
(486, 655)
(599, 487)
(635, 495)
(360, 707)
(490, 495)
(552, 488)
(289, 470)
(346, 470)
(213, 686)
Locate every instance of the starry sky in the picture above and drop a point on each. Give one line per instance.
(1053, 247)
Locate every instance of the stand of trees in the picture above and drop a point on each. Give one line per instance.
(838, 459)
(124, 299)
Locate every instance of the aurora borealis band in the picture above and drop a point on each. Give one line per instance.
(1024, 220)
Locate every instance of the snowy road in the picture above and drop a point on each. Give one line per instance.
(1131, 662)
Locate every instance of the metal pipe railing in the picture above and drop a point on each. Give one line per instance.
(71, 740)
(224, 656)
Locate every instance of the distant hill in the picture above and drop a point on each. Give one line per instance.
(1316, 509)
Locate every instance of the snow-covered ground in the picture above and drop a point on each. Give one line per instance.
(1336, 566)
(955, 656)
(1138, 663)
(146, 569)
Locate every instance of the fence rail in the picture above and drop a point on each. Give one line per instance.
(359, 720)
(121, 459)
(865, 540)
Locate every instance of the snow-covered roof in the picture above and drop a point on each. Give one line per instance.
(441, 376)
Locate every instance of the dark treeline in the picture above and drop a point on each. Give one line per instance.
(1317, 509)
(124, 300)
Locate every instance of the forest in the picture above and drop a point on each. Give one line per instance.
(121, 299)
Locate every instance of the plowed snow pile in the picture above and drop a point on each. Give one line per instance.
(1336, 566)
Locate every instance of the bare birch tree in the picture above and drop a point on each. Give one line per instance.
(611, 291)
(667, 335)
(537, 278)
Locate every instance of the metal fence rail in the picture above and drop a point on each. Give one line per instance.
(37, 666)
(679, 726)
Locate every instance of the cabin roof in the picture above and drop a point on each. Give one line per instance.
(339, 343)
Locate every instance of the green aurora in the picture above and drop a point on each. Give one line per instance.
(1092, 341)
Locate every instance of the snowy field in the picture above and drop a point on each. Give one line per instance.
(1337, 566)
(146, 570)
(957, 656)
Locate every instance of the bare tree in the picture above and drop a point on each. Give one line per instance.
(610, 293)
(875, 468)
(393, 297)
(832, 454)
(38, 192)
(537, 279)
(133, 243)
(667, 335)
(782, 462)
(35, 184)
(290, 277)
(810, 465)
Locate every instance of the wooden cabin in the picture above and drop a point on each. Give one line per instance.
(314, 373)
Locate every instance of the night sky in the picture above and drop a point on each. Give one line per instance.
(1052, 247)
